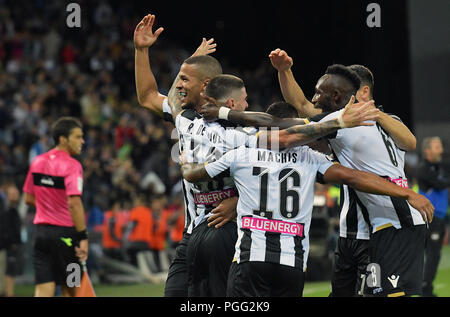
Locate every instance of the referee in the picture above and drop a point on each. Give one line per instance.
(54, 185)
(433, 184)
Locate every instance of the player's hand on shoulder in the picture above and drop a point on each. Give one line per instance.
(144, 36)
(280, 60)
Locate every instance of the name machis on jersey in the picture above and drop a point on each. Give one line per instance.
(278, 157)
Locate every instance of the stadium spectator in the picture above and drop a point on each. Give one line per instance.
(434, 184)
(160, 215)
(10, 239)
(112, 234)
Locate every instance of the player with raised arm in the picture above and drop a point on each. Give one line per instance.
(276, 191)
(179, 108)
(352, 254)
(392, 223)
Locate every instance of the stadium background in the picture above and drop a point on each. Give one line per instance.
(48, 69)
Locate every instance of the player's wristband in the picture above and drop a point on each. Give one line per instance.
(341, 122)
(223, 113)
(81, 235)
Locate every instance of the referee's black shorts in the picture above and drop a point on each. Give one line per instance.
(263, 279)
(53, 251)
(177, 278)
(209, 254)
(350, 263)
(399, 254)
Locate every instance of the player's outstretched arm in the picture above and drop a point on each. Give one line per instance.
(402, 136)
(353, 115)
(194, 173)
(290, 89)
(373, 184)
(212, 111)
(146, 86)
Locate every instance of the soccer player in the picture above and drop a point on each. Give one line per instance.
(394, 224)
(54, 185)
(276, 191)
(179, 107)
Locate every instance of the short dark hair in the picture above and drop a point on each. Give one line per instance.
(346, 73)
(282, 109)
(208, 65)
(365, 75)
(63, 127)
(222, 86)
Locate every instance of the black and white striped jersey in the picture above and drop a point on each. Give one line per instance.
(182, 122)
(207, 142)
(370, 149)
(276, 194)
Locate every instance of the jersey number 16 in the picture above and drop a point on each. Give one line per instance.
(283, 176)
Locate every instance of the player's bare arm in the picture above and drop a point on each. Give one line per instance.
(290, 89)
(211, 112)
(194, 173)
(373, 184)
(146, 86)
(402, 136)
(353, 115)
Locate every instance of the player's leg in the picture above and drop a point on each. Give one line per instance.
(344, 277)
(217, 252)
(249, 279)
(176, 283)
(43, 264)
(399, 255)
(287, 281)
(44, 290)
(196, 271)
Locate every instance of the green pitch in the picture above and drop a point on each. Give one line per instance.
(312, 289)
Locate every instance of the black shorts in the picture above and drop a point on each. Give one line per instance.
(209, 255)
(263, 279)
(350, 263)
(176, 283)
(397, 257)
(53, 251)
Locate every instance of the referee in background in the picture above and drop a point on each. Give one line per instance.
(54, 185)
(433, 183)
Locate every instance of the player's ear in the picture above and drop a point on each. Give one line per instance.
(230, 104)
(205, 83)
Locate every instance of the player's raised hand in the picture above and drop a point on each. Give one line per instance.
(280, 60)
(143, 34)
(206, 47)
(423, 205)
(357, 114)
(210, 110)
